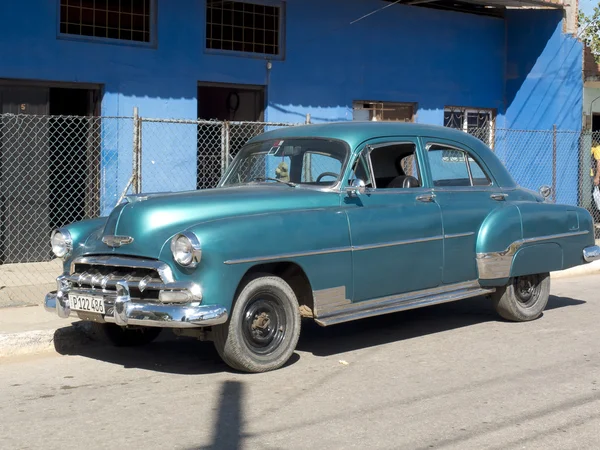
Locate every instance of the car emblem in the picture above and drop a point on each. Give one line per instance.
(117, 241)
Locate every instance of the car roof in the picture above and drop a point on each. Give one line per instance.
(356, 132)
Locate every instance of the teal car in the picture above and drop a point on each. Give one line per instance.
(330, 222)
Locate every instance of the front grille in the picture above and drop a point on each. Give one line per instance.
(145, 278)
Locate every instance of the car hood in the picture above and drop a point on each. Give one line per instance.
(153, 219)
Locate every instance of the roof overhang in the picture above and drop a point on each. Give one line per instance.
(484, 7)
(554, 4)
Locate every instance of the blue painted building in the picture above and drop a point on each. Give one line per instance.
(471, 64)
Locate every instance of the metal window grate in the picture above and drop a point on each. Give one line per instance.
(478, 122)
(127, 20)
(243, 27)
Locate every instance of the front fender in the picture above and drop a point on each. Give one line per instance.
(316, 240)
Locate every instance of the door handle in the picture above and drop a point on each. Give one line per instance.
(425, 198)
(498, 197)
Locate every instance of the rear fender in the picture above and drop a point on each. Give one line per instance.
(500, 229)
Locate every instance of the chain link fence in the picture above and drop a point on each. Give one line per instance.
(55, 170)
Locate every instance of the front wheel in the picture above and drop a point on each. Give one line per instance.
(264, 326)
(524, 299)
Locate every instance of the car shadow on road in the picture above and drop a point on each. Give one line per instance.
(371, 332)
(168, 354)
(188, 356)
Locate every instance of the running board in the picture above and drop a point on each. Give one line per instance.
(404, 302)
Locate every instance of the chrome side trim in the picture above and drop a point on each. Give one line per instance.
(288, 255)
(326, 251)
(401, 302)
(457, 235)
(330, 299)
(165, 272)
(396, 243)
(494, 265)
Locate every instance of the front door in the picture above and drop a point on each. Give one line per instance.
(465, 192)
(395, 227)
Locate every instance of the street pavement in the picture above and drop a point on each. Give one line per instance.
(448, 376)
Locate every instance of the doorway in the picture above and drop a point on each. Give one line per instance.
(49, 164)
(240, 104)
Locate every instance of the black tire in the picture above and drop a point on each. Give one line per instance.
(524, 299)
(263, 328)
(112, 334)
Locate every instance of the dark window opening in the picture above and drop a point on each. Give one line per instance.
(242, 105)
(243, 27)
(127, 20)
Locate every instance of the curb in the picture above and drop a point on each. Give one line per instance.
(59, 340)
(586, 269)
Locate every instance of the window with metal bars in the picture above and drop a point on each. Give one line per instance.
(477, 122)
(239, 26)
(124, 20)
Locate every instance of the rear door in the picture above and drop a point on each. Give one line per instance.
(466, 193)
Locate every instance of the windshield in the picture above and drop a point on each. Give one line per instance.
(309, 162)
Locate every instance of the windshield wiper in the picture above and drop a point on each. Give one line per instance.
(289, 183)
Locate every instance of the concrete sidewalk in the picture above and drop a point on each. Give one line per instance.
(31, 329)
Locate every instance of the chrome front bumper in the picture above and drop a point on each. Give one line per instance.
(121, 310)
(591, 253)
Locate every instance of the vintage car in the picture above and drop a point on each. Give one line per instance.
(331, 222)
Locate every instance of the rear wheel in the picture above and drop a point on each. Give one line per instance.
(112, 334)
(263, 328)
(524, 299)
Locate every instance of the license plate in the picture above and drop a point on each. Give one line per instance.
(87, 303)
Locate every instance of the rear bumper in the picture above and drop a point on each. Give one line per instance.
(121, 310)
(591, 253)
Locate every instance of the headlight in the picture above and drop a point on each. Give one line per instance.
(62, 243)
(186, 249)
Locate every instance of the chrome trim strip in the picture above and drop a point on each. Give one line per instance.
(495, 265)
(401, 302)
(327, 251)
(457, 235)
(396, 243)
(288, 255)
(165, 272)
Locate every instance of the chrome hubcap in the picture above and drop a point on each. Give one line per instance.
(527, 289)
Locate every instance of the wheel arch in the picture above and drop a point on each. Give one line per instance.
(292, 273)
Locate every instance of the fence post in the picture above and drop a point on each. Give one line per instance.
(224, 147)
(137, 152)
(554, 163)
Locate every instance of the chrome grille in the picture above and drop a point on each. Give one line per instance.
(145, 278)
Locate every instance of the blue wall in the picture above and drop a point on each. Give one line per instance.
(404, 53)
(544, 87)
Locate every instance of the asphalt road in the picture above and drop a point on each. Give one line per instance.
(450, 376)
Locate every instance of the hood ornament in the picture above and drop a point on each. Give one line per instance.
(117, 241)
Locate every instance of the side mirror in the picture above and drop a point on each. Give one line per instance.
(357, 187)
(545, 191)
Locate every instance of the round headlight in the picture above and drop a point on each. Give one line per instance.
(186, 249)
(62, 244)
